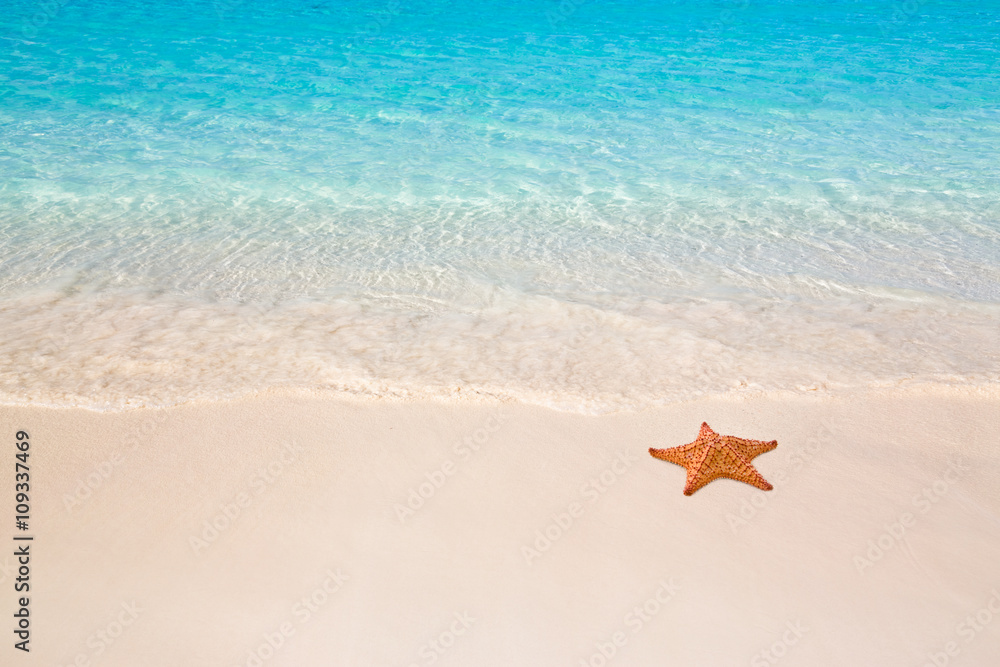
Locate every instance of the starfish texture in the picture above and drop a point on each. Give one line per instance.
(712, 456)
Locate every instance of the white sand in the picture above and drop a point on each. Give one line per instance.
(118, 578)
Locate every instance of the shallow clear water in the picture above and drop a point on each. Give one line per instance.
(590, 204)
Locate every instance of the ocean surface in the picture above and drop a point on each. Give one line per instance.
(586, 204)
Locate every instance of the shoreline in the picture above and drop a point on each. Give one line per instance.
(455, 397)
(350, 531)
(107, 351)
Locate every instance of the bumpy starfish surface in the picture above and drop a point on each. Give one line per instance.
(712, 456)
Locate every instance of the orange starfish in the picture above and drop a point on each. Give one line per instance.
(712, 456)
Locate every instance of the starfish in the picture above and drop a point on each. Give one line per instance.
(712, 456)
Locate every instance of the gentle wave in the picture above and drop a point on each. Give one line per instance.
(116, 351)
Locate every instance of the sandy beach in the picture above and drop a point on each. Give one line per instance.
(302, 529)
(339, 334)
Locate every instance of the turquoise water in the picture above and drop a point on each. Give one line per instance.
(585, 204)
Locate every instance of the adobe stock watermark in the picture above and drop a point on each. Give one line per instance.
(47, 10)
(104, 639)
(432, 650)
(562, 11)
(752, 504)
(894, 531)
(379, 22)
(223, 7)
(7, 569)
(463, 451)
(968, 629)
(633, 622)
(303, 611)
(902, 12)
(563, 521)
(407, 164)
(250, 326)
(230, 511)
(725, 19)
(96, 477)
(51, 343)
(773, 654)
(583, 333)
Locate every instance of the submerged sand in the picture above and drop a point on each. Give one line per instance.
(301, 530)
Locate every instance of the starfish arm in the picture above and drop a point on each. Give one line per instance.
(750, 476)
(705, 431)
(682, 456)
(750, 449)
(739, 468)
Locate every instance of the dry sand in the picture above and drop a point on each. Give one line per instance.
(289, 530)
